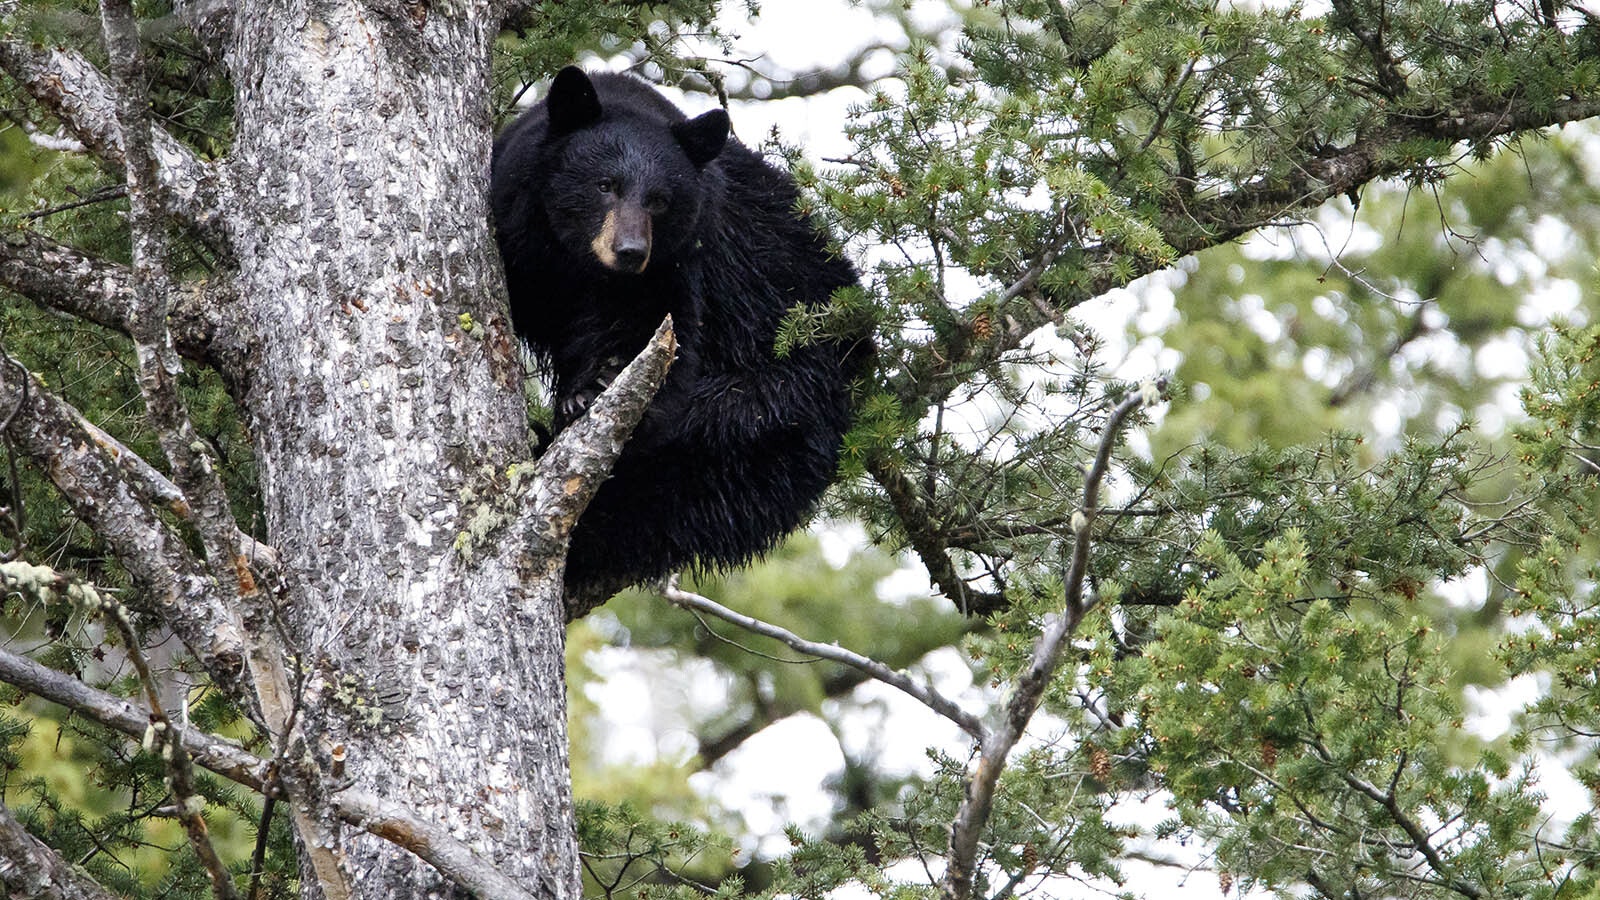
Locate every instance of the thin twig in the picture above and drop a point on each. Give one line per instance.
(258, 856)
(103, 195)
(188, 805)
(922, 693)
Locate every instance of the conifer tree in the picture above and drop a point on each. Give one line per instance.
(282, 572)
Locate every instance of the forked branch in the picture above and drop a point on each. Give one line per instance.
(78, 94)
(995, 743)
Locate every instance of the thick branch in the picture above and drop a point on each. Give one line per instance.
(174, 587)
(1365, 159)
(219, 755)
(431, 843)
(63, 278)
(979, 801)
(159, 367)
(79, 95)
(29, 870)
(922, 693)
(156, 488)
(582, 455)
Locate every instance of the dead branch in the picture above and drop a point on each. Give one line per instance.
(1047, 649)
(179, 590)
(582, 455)
(74, 91)
(922, 693)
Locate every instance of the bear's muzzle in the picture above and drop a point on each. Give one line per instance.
(623, 244)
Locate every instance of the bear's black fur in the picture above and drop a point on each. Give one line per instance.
(612, 210)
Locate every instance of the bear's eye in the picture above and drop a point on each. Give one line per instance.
(656, 204)
(606, 186)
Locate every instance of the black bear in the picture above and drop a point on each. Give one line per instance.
(613, 209)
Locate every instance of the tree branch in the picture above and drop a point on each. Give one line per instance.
(1365, 159)
(156, 488)
(997, 744)
(189, 805)
(454, 859)
(159, 366)
(1414, 830)
(584, 453)
(929, 542)
(922, 693)
(837, 684)
(1383, 62)
(179, 592)
(75, 92)
(929, 376)
(581, 456)
(219, 755)
(63, 278)
(30, 870)
(431, 843)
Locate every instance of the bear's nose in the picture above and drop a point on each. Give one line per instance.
(631, 254)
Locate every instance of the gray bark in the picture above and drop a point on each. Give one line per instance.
(31, 871)
(361, 232)
(400, 638)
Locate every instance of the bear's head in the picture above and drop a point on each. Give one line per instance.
(627, 181)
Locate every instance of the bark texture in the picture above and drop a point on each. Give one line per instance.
(31, 871)
(383, 395)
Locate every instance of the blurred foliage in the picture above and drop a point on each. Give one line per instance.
(1407, 305)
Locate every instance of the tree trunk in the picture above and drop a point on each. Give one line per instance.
(383, 391)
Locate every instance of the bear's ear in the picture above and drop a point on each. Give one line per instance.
(702, 137)
(573, 104)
